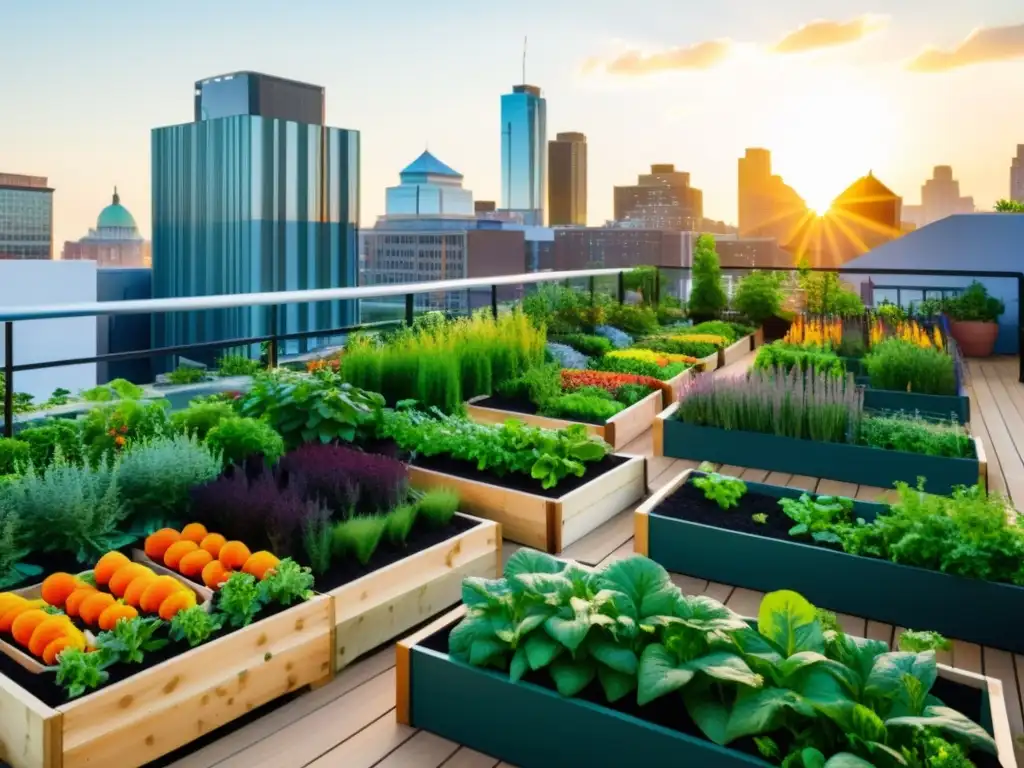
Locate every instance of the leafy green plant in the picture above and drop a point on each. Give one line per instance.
(540, 385)
(563, 310)
(816, 517)
(359, 536)
(131, 639)
(438, 506)
(69, 508)
(13, 569)
(916, 642)
(195, 626)
(305, 408)
(707, 296)
(588, 344)
(238, 365)
(631, 394)
(785, 357)
(678, 346)
(186, 374)
(644, 280)
(637, 367)
(14, 454)
(200, 418)
(239, 599)
(286, 583)
(236, 438)
(401, 519)
(1004, 205)
(974, 304)
(759, 296)
(156, 476)
(731, 332)
(79, 672)
(903, 366)
(109, 429)
(583, 407)
(916, 435)
(725, 491)
(44, 440)
(634, 320)
(118, 389)
(828, 295)
(318, 540)
(59, 396)
(760, 518)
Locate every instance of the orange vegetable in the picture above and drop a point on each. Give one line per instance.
(47, 632)
(9, 600)
(212, 543)
(114, 613)
(52, 651)
(215, 574)
(26, 623)
(259, 563)
(15, 611)
(177, 550)
(74, 601)
(133, 595)
(194, 532)
(178, 601)
(56, 588)
(125, 575)
(107, 566)
(158, 591)
(90, 609)
(158, 543)
(193, 563)
(233, 555)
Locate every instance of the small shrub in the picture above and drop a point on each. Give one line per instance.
(566, 356)
(619, 339)
(634, 320)
(588, 344)
(716, 328)
(696, 347)
(538, 385)
(199, 418)
(14, 454)
(346, 479)
(707, 296)
(108, 429)
(784, 357)
(44, 440)
(237, 438)
(899, 365)
(631, 394)
(915, 435)
(582, 407)
(238, 365)
(759, 296)
(186, 374)
(974, 304)
(438, 506)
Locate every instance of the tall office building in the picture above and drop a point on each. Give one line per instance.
(248, 202)
(768, 207)
(940, 197)
(524, 153)
(567, 182)
(253, 93)
(1017, 175)
(661, 199)
(26, 217)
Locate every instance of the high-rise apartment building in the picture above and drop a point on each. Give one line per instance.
(567, 180)
(1017, 175)
(524, 153)
(26, 217)
(940, 197)
(253, 93)
(246, 203)
(768, 207)
(661, 199)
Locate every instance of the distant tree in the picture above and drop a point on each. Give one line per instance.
(707, 298)
(1009, 206)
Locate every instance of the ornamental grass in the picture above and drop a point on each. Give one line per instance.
(807, 405)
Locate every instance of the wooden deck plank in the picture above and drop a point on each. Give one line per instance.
(689, 584)
(1004, 394)
(731, 469)
(370, 746)
(746, 602)
(424, 750)
(852, 625)
(967, 656)
(876, 630)
(803, 482)
(828, 487)
(719, 592)
(677, 466)
(626, 550)
(778, 478)
(999, 664)
(469, 758)
(603, 540)
(1001, 440)
(754, 475)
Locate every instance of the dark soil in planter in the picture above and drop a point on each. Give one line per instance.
(512, 481)
(44, 685)
(422, 537)
(669, 712)
(516, 405)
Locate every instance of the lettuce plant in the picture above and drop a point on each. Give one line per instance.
(725, 491)
(802, 689)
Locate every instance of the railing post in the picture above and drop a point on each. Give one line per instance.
(9, 379)
(657, 287)
(410, 308)
(494, 301)
(590, 284)
(272, 351)
(622, 286)
(1020, 327)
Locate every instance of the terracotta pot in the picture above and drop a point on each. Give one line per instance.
(975, 338)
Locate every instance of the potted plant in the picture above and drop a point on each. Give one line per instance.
(972, 320)
(707, 296)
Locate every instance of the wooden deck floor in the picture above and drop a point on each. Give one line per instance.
(350, 723)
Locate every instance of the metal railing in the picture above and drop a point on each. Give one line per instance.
(409, 291)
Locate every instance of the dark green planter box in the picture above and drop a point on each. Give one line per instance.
(930, 406)
(836, 461)
(916, 598)
(533, 727)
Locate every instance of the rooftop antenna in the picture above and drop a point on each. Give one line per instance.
(524, 60)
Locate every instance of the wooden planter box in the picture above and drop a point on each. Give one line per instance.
(160, 709)
(931, 406)
(382, 605)
(442, 695)
(540, 522)
(757, 339)
(836, 461)
(710, 363)
(901, 595)
(674, 387)
(620, 430)
(735, 352)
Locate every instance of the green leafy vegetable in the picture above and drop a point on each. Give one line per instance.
(194, 625)
(131, 639)
(239, 599)
(79, 672)
(286, 583)
(725, 491)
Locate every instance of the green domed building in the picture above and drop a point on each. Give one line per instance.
(115, 242)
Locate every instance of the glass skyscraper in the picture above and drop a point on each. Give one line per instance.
(26, 217)
(248, 204)
(253, 93)
(524, 148)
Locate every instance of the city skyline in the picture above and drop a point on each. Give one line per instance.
(642, 92)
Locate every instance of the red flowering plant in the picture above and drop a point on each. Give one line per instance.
(574, 379)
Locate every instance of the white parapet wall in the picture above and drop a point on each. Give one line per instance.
(33, 283)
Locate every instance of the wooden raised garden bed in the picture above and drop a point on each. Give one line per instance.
(388, 602)
(620, 430)
(442, 695)
(736, 351)
(167, 706)
(876, 589)
(546, 522)
(836, 461)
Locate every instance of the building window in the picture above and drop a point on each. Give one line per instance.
(905, 296)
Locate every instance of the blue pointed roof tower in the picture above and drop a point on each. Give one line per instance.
(428, 165)
(428, 187)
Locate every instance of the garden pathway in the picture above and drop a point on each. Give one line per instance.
(350, 722)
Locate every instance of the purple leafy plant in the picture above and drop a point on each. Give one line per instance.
(346, 480)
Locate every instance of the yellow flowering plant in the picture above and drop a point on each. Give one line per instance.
(815, 332)
(659, 358)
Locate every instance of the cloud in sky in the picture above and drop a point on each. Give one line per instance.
(828, 34)
(634, 63)
(986, 44)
